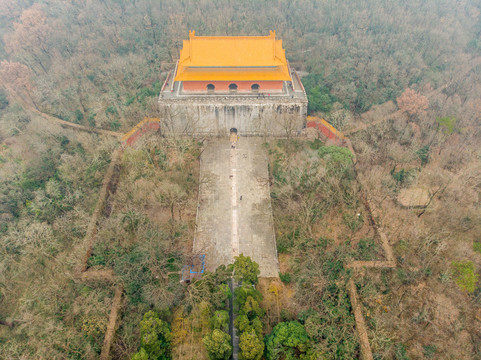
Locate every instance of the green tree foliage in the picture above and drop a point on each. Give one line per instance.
(155, 338)
(447, 124)
(141, 355)
(288, 340)
(212, 288)
(336, 155)
(249, 319)
(250, 315)
(403, 177)
(475, 43)
(3, 100)
(79, 116)
(423, 154)
(144, 93)
(251, 309)
(319, 100)
(251, 346)
(220, 320)
(243, 292)
(38, 173)
(319, 96)
(338, 162)
(218, 345)
(243, 324)
(466, 277)
(245, 269)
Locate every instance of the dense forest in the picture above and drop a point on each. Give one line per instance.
(100, 63)
(401, 79)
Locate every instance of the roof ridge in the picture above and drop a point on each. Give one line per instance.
(192, 35)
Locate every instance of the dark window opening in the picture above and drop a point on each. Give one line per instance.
(233, 87)
(255, 87)
(210, 88)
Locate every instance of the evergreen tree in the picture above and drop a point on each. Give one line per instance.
(251, 346)
(245, 269)
(218, 345)
(155, 338)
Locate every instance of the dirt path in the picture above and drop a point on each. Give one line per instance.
(111, 326)
(234, 210)
(30, 108)
(67, 124)
(366, 352)
(109, 185)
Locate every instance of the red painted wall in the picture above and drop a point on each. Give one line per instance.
(242, 86)
(135, 136)
(326, 131)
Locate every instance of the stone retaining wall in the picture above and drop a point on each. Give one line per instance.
(274, 116)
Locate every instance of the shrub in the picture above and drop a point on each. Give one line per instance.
(111, 110)
(400, 352)
(316, 144)
(429, 350)
(79, 116)
(94, 326)
(91, 120)
(141, 355)
(96, 260)
(336, 155)
(477, 246)
(423, 154)
(367, 249)
(131, 220)
(285, 277)
(403, 176)
(38, 173)
(115, 125)
(353, 222)
(466, 278)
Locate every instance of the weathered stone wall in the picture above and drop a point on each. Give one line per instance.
(275, 116)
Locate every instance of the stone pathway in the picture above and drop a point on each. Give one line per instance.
(234, 214)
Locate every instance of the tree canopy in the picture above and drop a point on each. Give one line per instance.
(287, 340)
(155, 338)
(245, 269)
(218, 345)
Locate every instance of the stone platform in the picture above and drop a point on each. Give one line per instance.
(257, 114)
(234, 214)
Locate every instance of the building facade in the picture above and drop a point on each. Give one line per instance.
(221, 82)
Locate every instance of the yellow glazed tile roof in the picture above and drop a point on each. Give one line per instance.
(232, 58)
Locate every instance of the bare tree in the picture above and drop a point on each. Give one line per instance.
(412, 103)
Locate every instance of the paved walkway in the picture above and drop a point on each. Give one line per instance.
(234, 214)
